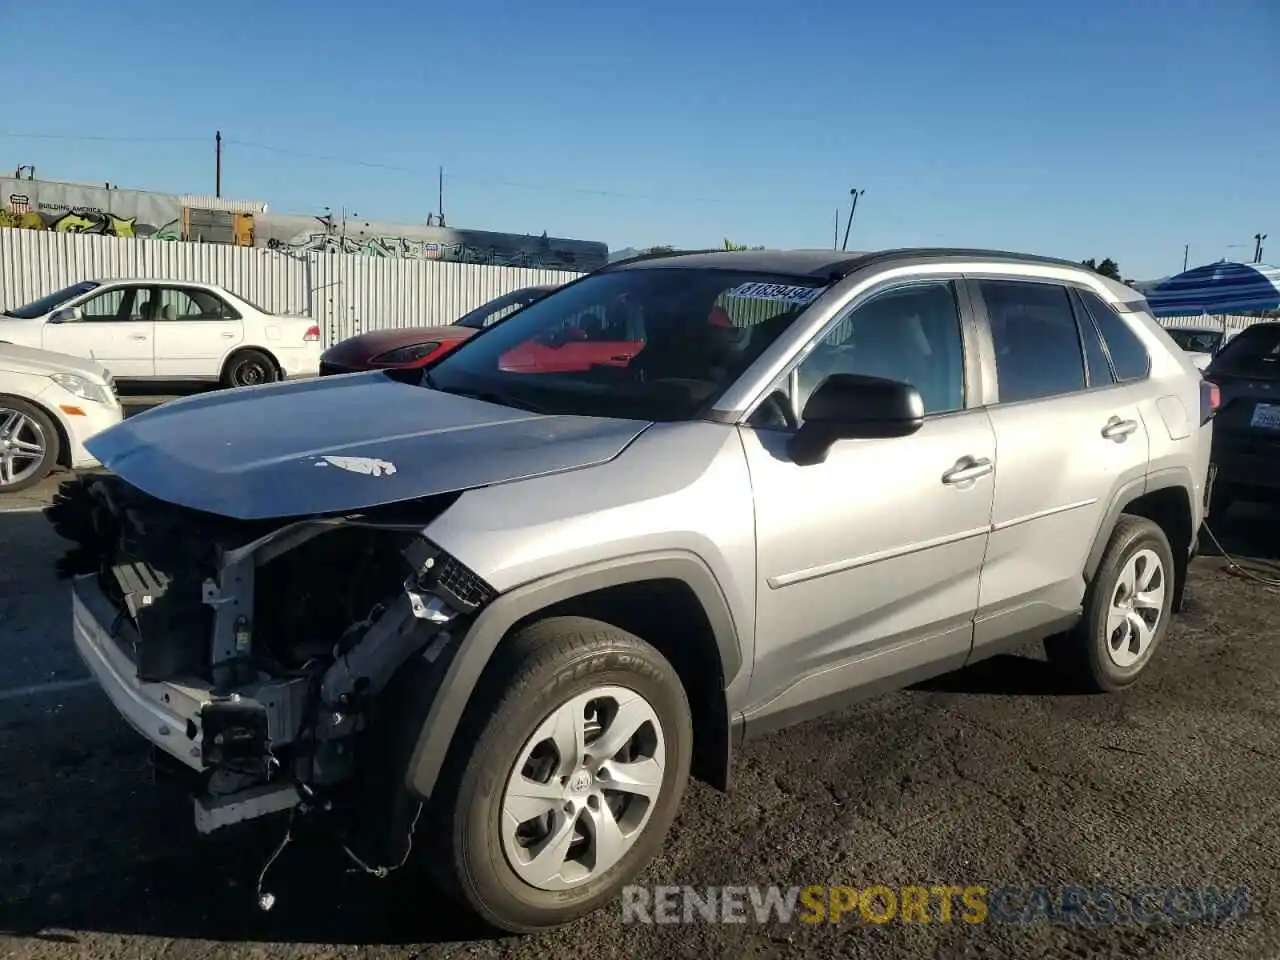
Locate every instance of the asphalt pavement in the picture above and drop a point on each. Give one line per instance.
(990, 777)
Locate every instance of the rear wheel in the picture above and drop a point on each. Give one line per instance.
(576, 755)
(1126, 611)
(248, 368)
(29, 445)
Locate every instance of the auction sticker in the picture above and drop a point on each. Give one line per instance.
(780, 292)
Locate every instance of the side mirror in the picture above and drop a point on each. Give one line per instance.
(848, 406)
(66, 315)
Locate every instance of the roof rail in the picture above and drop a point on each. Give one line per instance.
(653, 255)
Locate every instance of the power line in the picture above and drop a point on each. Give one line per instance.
(418, 171)
(88, 138)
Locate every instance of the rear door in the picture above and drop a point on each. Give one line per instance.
(1068, 435)
(194, 329)
(115, 328)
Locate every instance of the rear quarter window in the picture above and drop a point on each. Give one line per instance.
(1129, 358)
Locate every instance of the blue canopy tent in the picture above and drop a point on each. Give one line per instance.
(1217, 288)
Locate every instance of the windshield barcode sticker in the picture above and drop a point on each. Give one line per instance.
(780, 292)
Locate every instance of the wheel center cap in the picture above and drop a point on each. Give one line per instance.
(580, 782)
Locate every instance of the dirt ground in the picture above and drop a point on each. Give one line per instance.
(988, 777)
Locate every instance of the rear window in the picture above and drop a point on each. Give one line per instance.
(1196, 341)
(1129, 358)
(1255, 351)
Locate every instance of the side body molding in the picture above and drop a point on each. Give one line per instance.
(493, 623)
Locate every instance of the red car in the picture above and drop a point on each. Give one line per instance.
(586, 342)
(411, 348)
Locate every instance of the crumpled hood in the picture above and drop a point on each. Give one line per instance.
(342, 444)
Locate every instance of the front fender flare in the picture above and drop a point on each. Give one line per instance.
(497, 619)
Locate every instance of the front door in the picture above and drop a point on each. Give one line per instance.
(194, 330)
(869, 563)
(115, 328)
(1070, 434)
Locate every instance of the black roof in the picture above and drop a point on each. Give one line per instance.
(818, 264)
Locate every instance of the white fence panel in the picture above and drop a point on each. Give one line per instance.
(346, 293)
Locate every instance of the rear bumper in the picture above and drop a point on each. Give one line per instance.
(167, 715)
(1252, 465)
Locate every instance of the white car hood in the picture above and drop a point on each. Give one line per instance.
(44, 363)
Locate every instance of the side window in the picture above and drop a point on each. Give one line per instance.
(190, 303)
(105, 306)
(1095, 352)
(1036, 342)
(911, 334)
(504, 311)
(1128, 356)
(120, 303)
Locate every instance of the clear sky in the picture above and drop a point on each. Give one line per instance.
(1085, 129)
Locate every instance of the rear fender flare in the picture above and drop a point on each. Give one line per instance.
(1173, 477)
(494, 622)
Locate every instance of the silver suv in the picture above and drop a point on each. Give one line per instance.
(497, 618)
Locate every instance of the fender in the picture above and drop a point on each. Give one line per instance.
(496, 620)
(1161, 480)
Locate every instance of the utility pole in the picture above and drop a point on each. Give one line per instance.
(855, 193)
(217, 163)
(440, 198)
(835, 236)
(1186, 252)
(1257, 246)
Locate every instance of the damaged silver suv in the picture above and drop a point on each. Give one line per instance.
(491, 622)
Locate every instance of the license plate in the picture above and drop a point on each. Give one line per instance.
(1266, 416)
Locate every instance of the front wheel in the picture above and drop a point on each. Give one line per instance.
(577, 751)
(29, 445)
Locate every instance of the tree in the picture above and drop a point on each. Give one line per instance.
(661, 249)
(730, 245)
(1107, 268)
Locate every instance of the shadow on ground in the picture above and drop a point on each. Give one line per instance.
(1248, 534)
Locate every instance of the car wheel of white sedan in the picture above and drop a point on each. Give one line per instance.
(29, 445)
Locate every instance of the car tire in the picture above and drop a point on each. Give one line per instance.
(545, 674)
(250, 368)
(1127, 609)
(24, 426)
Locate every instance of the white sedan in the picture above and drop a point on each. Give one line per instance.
(168, 330)
(50, 404)
(1202, 342)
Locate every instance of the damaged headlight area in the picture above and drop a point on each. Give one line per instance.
(260, 658)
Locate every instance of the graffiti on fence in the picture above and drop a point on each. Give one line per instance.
(451, 246)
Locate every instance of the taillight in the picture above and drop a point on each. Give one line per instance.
(1210, 399)
(312, 335)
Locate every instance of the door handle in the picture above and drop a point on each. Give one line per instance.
(227, 336)
(137, 336)
(1117, 429)
(968, 468)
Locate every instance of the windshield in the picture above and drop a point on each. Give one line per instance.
(490, 313)
(1254, 352)
(38, 308)
(1196, 341)
(658, 343)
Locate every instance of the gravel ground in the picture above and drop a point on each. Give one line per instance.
(986, 778)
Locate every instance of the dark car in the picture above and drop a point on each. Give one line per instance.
(411, 348)
(1246, 433)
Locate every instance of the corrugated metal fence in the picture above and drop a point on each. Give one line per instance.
(346, 293)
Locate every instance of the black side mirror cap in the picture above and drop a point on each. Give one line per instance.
(848, 406)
